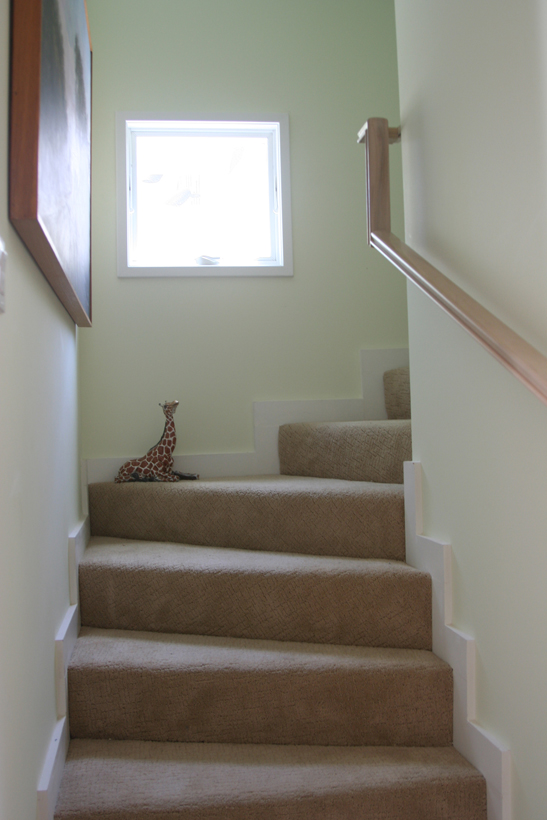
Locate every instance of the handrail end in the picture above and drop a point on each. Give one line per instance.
(394, 134)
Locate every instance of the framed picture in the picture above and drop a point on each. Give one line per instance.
(50, 145)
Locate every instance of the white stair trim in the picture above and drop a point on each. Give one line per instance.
(264, 459)
(77, 542)
(268, 416)
(52, 771)
(65, 640)
(491, 757)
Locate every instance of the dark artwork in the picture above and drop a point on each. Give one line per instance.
(50, 148)
(64, 146)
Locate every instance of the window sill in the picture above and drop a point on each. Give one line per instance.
(204, 271)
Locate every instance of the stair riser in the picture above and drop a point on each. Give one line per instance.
(435, 801)
(336, 707)
(349, 519)
(352, 451)
(372, 610)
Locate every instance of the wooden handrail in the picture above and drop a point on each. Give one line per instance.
(517, 355)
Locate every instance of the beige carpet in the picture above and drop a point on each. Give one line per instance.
(166, 587)
(355, 451)
(255, 649)
(150, 686)
(196, 781)
(397, 393)
(314, 516)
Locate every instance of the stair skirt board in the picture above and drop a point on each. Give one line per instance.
(485, 752)
(65, 640)
(268, 416)
(77, 542)
(52, 771)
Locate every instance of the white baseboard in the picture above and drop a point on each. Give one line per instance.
(485, 752)
(84, 498)
(264, 459)
(52, 771)
(268, 416)
(65, 641)
(77, 542)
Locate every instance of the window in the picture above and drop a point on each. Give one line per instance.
(203, 197)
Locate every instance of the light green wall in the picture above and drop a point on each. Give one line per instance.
(39, 500)
(473, 77)
(217, 345)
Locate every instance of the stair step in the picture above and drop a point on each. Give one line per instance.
(397, 393)
(166, 587)
(194, 781)
(351, 450)
(151, 686)
(275, 513)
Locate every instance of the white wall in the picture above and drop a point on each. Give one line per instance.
(472, 81)
(38, 496)
(217, 345)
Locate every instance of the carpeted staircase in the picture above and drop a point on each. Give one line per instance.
(256, 649)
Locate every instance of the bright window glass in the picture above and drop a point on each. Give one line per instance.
(203, 197)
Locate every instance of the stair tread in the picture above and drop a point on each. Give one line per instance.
(261, 485)
(125, 584)
(119, 647)
(152, 686)
(192, 781)
(173, 555)
(277, 513)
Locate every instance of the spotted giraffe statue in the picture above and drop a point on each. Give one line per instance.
(157, 464)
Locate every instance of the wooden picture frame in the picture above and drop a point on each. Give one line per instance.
(50, 144)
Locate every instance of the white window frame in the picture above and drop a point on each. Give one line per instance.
(283, 266)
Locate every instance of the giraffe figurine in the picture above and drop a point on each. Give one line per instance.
(157, 464)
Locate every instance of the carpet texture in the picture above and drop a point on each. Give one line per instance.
(397, 393)
(256, 649)
(166, 587)
(150, 686)
(314, 516)
(116, 780)
(354, 451)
